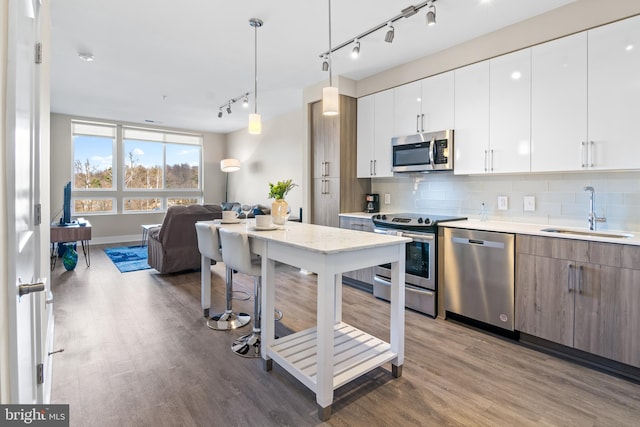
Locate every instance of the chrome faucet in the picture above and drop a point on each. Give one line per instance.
(593, 218)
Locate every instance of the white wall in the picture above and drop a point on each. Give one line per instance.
(560, 198)
(125, 228)
(275, 155)
(4, 312)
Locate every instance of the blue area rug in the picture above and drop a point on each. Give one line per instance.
(128, 258)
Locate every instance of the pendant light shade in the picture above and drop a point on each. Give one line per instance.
(330, 101)
(255, 123)
(330, 93)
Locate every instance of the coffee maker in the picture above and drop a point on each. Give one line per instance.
(372, 203)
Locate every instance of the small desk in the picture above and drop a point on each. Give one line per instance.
(71, 233)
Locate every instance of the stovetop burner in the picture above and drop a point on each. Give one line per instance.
(411, 221)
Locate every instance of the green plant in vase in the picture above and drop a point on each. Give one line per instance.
(280, 207)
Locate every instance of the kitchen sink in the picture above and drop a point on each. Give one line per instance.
(589, 233)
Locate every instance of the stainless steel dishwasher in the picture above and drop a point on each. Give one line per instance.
(479, 276)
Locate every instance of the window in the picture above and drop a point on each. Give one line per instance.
(159, 168)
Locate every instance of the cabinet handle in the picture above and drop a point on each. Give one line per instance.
(569, 276)
(580, 280)
(583, 164)
(590, 154)
(417, 123)
(370, 167)
(485, 161)
(422, 123)
(375, 167)
(327, 166)
(322, 170)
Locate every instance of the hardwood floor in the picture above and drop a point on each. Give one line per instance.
(137, 352)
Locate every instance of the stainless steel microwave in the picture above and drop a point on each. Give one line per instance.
(432, 151)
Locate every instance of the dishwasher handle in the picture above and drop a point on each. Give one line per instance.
(476, 242)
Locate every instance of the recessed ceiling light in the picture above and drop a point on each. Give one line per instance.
(86, 56)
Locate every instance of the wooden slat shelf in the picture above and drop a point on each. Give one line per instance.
(354, 353)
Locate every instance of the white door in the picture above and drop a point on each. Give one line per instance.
(22, 181)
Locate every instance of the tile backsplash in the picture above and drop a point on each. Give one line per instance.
(560, 198)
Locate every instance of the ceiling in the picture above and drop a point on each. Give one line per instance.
(174, 63)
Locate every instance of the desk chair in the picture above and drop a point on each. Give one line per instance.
(209, 247)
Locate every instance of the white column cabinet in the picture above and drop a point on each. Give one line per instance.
(559, 104)
(375, 130)
(510, 113)
(471, 134)
(614, 95)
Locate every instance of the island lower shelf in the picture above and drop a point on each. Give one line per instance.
(354, 353)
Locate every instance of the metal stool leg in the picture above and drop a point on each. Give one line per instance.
(228, 320)
(249, 345)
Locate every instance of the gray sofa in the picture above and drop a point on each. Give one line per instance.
(173, 246)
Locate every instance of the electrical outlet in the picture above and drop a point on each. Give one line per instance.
(503, 203)
(529, 203)
(387, 199)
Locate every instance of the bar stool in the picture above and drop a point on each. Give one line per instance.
(209, 246)
(236, 254)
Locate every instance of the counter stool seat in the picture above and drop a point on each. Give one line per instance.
(209, 247)
(236, 254)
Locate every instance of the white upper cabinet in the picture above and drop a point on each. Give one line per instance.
(437, 102)
(614, 95)
(407, 108)
(471, 135)
(424, 106)
(559, 104)
(375, 130)
(510, 113)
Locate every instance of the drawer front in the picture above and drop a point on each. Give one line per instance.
(575, 250)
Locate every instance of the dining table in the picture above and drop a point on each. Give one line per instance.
(333, 352)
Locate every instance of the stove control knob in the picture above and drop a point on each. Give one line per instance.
(377, 216)
(384, 217)
(427, 221)
(419, 220)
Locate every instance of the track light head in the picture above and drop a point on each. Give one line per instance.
(356, 49)
(220, 113)
(245, 101)
(325, 63)
(431, 16)
(390, 33)
(229, 108)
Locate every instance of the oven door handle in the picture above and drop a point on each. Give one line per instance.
(419, 237)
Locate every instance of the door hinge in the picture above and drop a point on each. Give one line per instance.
(38, 53)
(40, 373)
(37, 214)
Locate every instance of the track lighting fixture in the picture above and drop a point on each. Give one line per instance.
(356, 49)
(227, 105)
(390, 33)
(431, 15)
(387, 25)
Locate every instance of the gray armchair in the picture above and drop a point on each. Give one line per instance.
(173, 247)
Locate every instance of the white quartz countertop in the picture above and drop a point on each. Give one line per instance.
(317, 237)
(536, 230)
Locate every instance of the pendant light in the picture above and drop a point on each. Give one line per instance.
(255, 124)
(330, 93)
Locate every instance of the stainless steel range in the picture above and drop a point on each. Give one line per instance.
(421, 264)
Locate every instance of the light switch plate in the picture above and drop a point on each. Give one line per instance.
(529, 203)
(387, 199)
(503, 203)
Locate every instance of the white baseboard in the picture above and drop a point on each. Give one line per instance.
(136, 238)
